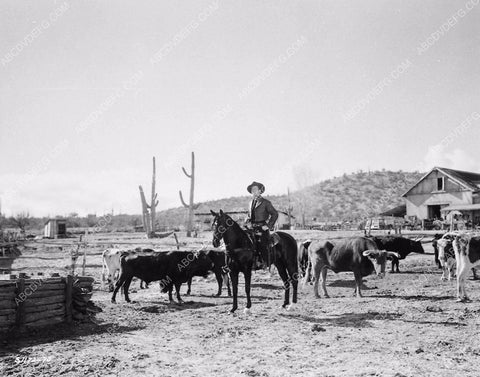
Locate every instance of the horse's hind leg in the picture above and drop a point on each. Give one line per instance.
(294, 276)
(294, 279)
(286, 283)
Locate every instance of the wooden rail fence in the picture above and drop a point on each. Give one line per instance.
(29, 303)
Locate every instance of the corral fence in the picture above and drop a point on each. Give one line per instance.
(27, 303)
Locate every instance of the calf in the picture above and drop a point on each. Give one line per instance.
(170, 268)
(359, 255)
(218, 259)
(446, 256)
(467, 254)
(111, 264)
(400, 245)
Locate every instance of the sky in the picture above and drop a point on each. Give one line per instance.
(283, 92)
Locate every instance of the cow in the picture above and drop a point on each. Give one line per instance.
(111, 264)
(400, 245)
(358, 254)
(303, 256)
(170, 268)
(218, 259)
(467, 254)
(446, 255)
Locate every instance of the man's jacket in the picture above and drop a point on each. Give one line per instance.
(263, 211)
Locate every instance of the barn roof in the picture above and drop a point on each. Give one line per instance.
(461, 207)
(398, 211)
(54, 219)
(469, 180)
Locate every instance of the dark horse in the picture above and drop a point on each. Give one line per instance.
(240, 256)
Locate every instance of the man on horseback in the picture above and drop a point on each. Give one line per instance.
(261, 219)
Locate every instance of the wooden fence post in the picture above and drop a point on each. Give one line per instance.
(176, 240)
(68, 298)
(20, 301)
(84, 259)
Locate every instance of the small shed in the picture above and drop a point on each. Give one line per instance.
(284, 221)
(55, 228)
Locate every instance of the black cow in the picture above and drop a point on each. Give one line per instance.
(218, 259)
(359, 255)
(170, 268)
(401, 245)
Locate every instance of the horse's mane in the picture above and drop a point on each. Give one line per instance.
(237, 228)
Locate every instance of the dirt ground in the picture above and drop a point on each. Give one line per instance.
(407, 324)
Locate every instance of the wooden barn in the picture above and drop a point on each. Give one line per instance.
(55, 228)
(442, 191)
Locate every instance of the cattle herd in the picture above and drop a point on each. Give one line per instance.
(360, 255)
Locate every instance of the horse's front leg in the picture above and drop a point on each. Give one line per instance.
(248, 279)
(234, 279)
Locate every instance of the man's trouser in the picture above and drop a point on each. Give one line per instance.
(262, 242)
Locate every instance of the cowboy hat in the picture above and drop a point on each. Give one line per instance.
(258, 184)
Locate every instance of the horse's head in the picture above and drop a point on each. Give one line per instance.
(221, 223)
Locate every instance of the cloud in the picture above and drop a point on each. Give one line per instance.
(438, 155)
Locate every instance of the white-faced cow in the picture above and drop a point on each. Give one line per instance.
(446, 255)
(111, 264)
(359, 255)
(467, 255)
(400, 245)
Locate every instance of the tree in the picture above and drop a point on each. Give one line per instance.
(304, 176)
(21, 220)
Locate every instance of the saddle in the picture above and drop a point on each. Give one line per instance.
(254, 236)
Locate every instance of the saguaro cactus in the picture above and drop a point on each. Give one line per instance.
(153, 202)
(149, 217)
(191, 206)
(145, 215)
